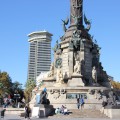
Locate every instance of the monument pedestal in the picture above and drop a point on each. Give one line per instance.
(42, 110)
(76, 81)
(60, 85)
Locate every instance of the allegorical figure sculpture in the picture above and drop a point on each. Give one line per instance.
(65, 22)
(60, 77)
(51, 72)
(94, 75)
(77, 67)
(43, 98)
(87, 22)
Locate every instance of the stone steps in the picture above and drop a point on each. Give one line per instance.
(86, 113)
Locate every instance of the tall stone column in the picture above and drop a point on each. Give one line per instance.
(76, 12)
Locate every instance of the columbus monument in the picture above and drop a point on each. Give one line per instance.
(76, 70)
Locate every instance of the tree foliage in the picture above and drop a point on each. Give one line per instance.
(7, 87)
(17, 88)
(5, 82)
(115, 85)
(30, 85)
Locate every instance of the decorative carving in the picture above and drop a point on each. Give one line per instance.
(76, 19)
(58, 63)
(98, 94)
(56, 94)
(51, 91)
(77, 34)
(112, 100)
(65, 22)
(76, 39)
(62, 91)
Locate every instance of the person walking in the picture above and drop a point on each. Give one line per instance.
(82, 102)
(27, 111)
(78, 103)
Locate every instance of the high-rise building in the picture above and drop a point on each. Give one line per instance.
(39, 53)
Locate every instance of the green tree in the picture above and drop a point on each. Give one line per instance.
(29, 86)
(116, 85)
(17, 88)
(5, 82)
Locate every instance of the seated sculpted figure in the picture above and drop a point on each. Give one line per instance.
(77, 67)
(51, 72)
(60, 77)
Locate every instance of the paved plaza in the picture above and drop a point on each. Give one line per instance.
(74, 114)
(15, 117)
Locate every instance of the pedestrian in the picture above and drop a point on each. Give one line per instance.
(66, 111)
(62, 109)
(78, 103)
(82, 102)
(27, 111)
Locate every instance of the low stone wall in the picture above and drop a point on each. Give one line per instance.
(111, 113)
(15, 111)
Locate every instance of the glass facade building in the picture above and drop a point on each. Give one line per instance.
(39, 53)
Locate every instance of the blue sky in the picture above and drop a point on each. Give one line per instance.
(18, 18)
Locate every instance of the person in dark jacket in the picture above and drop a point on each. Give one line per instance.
(27, 111)
(78, 103)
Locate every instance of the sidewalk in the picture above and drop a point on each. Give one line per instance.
(15, 117)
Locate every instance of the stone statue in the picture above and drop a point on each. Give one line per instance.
(87, 22)
(94, 75)
(51, 72)
(65, 22)
(76, 19)
(43, 98)
(60, 77)
(77, 67)
(76, 38)
(56, 46)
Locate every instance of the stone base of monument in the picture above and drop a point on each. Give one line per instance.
(49, 81)
(76, 81)
(96, 85)
(60, 85)
(67, 96)
(111, 113)
(42, 110)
